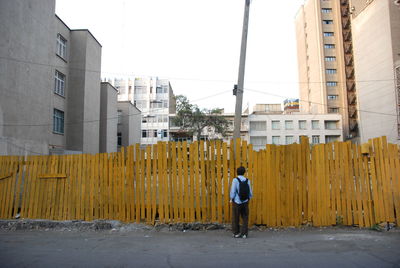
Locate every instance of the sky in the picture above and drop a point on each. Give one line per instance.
(196, 45)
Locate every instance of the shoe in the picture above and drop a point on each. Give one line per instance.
(244, 236)
(236, 236)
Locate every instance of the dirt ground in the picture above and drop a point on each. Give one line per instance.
(111, 244)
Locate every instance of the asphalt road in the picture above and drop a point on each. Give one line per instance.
(331, 247)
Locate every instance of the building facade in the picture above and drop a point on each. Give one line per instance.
(283, 129)
(129, 124)
(108, 118)
(49, 82)
(325, 59)
(376, 37)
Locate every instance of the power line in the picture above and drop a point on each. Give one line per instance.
(312, 102)
(190, 79)
(109, 118)
(22, 148)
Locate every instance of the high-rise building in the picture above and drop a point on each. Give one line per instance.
(325, 58)
(376, 37)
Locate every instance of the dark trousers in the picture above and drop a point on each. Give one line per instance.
(240, 210)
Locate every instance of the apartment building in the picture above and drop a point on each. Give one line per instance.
(283, 129)
(108, 118)
(376, 38)
(155, 99)
(49, 82)
(326, 64)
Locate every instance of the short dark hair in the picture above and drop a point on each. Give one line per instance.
(241, 170)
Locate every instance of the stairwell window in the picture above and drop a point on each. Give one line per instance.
(333, 110)
(333, 97)
(327, 22)
(58, 121)
(61, 46)
(59, 83)
(329, 46)
(326, 10)
(331, 71)
(331, 84)
(330, 58)
(327, 34)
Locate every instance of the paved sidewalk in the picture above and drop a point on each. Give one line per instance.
(312, 247)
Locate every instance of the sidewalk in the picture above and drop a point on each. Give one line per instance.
(145, 247)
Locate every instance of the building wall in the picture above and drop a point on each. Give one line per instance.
(375, 61)
(129, 124)
(267, 133)
(27, 55)
(311, 51)
(108, 118)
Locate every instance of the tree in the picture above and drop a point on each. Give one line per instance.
(192, 119)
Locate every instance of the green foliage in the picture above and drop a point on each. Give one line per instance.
(192, 119)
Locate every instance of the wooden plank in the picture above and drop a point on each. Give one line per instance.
(358, 183)
(225, 180)
(213, 182)
(17, 200)
(9, 188)
(219, 182)
(386, 182)
(160, 183)
(185, 181)
(166, 182)
(250, 176)
(174, 180)
(191, 183)
(149, 186)
(395, 174)
(232, 170)
(378, 181)
(203, 184)
(180, 184)
(137, 182)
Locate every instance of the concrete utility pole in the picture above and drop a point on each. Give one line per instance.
(240, 85)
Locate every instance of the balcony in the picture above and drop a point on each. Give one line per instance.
(348, 59)
(348, 47)
(352, 111)
(344, 2)
(353, 125)
(351, 85)
(346, 23)
(349, 72)
(351, 98)
(347, 36)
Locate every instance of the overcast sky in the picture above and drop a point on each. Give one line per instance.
(195, 44)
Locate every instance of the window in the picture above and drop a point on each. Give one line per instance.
(275, 125)
(58, 121)
(331, 138)
(328, 34)
(315, 139)
(275, 139)
(331, 71)
(144, 134)
(327, 22)
(331, 84)
(331, 124)
(258, 125)
(119, 116)
(326, 10)
(329, 46)
(330, 58)
(289, 139)
(288, 124)
(164, 133)
(140, 89)
(258, 141)
(165, 103)
(302, 124)
(333, 110)
(119, 138)
(333, 97)
(61, 46)
(155, 133)
(59, 83)
(315, 124)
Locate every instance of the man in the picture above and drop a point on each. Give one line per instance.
(240, 195)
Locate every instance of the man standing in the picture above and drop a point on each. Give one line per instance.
(240, 195)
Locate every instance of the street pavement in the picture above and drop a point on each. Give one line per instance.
(309, 247)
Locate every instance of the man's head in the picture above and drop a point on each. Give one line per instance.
(241, 171)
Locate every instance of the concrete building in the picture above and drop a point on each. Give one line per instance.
(108, 118)
(156, 101)
(49, 82)
(129, 124)
(325, 59)
(376, 38)
(282, 129)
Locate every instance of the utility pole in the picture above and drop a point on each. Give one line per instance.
(239, 88)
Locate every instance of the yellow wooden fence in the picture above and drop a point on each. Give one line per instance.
(326, 184)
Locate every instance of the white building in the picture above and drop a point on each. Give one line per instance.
(156, 101)
(283, 129)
